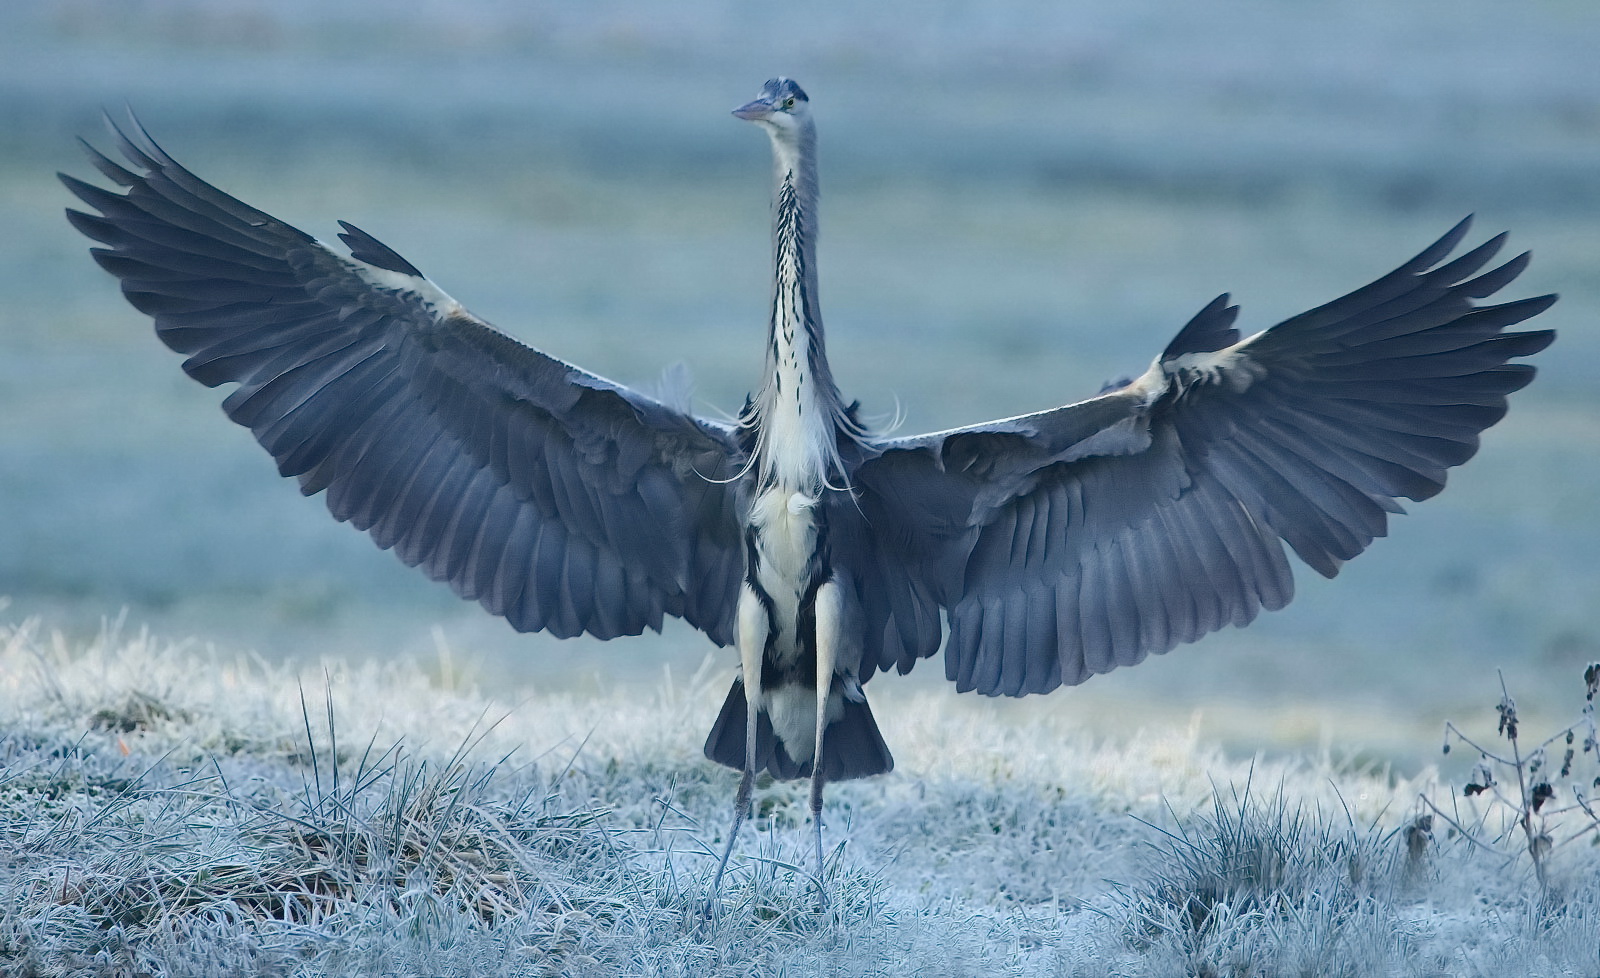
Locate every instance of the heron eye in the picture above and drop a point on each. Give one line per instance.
(788, 103)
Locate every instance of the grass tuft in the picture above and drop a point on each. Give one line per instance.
(1224, 889)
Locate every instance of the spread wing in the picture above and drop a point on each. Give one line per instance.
(554, 497)
(1070, 542)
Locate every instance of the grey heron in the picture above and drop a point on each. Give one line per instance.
(1036, 550)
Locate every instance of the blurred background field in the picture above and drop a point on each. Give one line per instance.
(1021, 201)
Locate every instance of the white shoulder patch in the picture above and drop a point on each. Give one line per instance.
(436, 299)
(1232, 367)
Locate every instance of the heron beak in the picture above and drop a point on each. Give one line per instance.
(754, 111)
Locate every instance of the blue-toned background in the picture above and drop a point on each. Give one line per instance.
(1020, 202)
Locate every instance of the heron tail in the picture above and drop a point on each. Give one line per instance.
(852, 747)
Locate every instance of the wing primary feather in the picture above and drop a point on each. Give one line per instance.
(1043, 663)
(350, 470)
(1289, 513)
(1254, 550)
(480, 579)
(1094, 628)
(991, 639)
(1459, 268)
(1011, 613)
(544, 584)
(1121, 609)
(424, 462)
(1383, 289)
(578, 585)
(467, 511)
(300, 439)
(514, 576)
(1180, 566)
(108, 167)
(424, 527)
(1495, 279)
(1069, 631)
(1139, 546)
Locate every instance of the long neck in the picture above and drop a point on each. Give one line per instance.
(794, 234)
(798, 413)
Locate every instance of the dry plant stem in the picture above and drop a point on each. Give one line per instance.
(1525, 808)
(1594, 818)
(1533, 813)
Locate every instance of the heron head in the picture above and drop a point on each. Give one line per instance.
(782, 107)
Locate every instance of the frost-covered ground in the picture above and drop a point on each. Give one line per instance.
(165, 810)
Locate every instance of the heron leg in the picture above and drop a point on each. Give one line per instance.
(828, 614)
(752, 638)
(741, 805)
